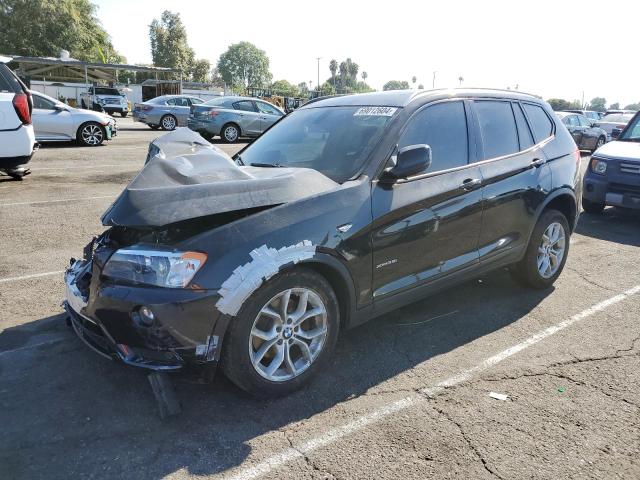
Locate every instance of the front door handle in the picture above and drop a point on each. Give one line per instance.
(471, 184)
(537, 162)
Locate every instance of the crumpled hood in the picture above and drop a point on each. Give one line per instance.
(620, 150)
(187, 177)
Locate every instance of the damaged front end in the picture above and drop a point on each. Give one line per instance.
(143, 293)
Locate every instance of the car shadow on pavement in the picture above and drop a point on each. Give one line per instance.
(619, 225)
(66, 412)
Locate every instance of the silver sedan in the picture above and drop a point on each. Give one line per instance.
(54, 121)
(166, 112)
(232, 117)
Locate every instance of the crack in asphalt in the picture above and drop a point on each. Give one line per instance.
(466, 438)
(308, 460)
(586, 279)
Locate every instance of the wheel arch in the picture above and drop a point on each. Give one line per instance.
(233, 122)
(563, 200)
(85, 123)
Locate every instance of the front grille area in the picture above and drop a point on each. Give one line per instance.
(630, 168)
(624, 189)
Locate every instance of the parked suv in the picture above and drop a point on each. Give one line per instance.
(111, 100)
(613, 176)
(347, 208)
(17, 140)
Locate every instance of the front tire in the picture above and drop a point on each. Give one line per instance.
(168, 122)
(546, 253)
(283, 334)
(592, 207)
(91, 134)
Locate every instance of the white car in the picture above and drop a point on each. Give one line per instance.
(111, 100)
(55, 121)
(17, 140)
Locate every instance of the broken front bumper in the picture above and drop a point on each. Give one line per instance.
(104, 318)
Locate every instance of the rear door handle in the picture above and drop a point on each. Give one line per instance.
(471, 184)
(537, 162)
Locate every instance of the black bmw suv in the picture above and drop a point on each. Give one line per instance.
(347, 208)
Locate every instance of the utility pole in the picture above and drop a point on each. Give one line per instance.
(433, 83)
(318, 84)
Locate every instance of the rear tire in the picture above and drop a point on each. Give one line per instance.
(546, 253)
(168, 122)
(241, 360)
(592, 207)
(124, 114)
(230, 133)
(601, 141)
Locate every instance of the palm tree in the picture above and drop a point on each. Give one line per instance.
(413, 80)
(364, 76)
(333, 68)
(460, 79)
(352, 69)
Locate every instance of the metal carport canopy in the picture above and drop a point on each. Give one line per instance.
(70, 69)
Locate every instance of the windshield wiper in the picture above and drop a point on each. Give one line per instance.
(267, 165)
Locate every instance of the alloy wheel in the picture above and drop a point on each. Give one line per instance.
(551, 250)
(288, 334)
(168, 123)
(231, 134)
(600, 143)
(92, 134)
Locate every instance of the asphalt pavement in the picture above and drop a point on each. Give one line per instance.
(408, 395)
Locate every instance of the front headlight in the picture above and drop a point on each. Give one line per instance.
(160, 268)
(598, 166)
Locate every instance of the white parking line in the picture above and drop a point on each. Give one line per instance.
(39, 202)
(331, 436)
(76, 167)
(27, 277)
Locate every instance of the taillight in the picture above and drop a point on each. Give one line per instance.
(213, 113)
(21, 105)
(577, 156)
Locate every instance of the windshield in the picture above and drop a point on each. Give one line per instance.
(107, 91)
(335, 141)
(632, 132)
(617, 117)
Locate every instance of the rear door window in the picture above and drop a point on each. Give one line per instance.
(443, 127)
(42, 103)
(524, 133)
(498, 128)
(245, 105)
(8, 81)
(584, 121)
(539, 121)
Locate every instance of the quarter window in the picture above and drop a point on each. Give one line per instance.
(584, 122)
(268, 109)
(245, 105)
(498, 127)
(443, 127)
(539, 121)
(526, 140)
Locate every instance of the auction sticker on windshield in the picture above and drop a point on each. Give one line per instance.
(377, 111)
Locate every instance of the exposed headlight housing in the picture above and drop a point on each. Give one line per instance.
(160, 268)
(598, 166)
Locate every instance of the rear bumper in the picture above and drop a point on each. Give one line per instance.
(9, 163)
(17, 144)
(203, 126)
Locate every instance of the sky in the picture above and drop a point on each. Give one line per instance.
(555, 49)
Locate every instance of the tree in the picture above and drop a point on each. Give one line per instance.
(364, 76)
(352, 70)
(461, 79)
(333, 68)
(414, 80)
(396, 85)
(599, 104)
(559, 104)
(244, 65)
(285, 89)
(169, 47)
(421, 87)
(633, 106)
(614, 106)
(42, 28)
(200, 71)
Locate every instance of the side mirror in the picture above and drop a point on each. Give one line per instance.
(60, 108)
(410, 160)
